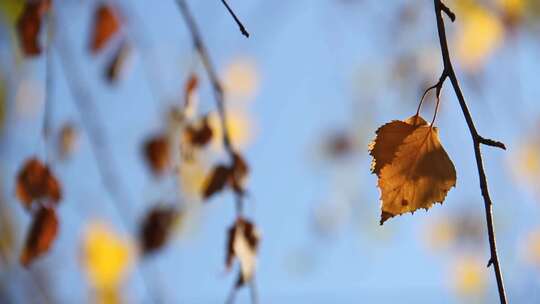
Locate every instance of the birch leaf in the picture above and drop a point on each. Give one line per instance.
(420, 174)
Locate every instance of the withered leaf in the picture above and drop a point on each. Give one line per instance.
(420, 174)
(199, 134)
(157, 153)
(68, 138)
(36, 182)
(105, 25)
(239, 171)
(29, 26)
(41, 235)
(242, 243)
(191, 85)
(117, 63)
(216, 181)
(157, 227)
(385, 145)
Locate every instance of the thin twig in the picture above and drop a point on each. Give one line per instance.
(478, 140)
(240, 25)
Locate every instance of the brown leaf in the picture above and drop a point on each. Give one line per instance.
(117, 63)
(29, 26)
(41, 235)
(36, 182)
(420, 174)
(389, 137)
(242, 243)
(239, 172)
(67, 140)
(201, 134)
(191, 85)
(216, 181)
(156, 228)
(105, 25)
(157, 153)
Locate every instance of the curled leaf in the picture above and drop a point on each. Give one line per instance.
(242, 243)
(200, 134)
(419, 175)
(118, 63)
(36, 182)
(156, 228)
(239, 171)
(105, 25)
(42, 233)
(191, 85)
(216, 181)
(29, 26)
(157, 154)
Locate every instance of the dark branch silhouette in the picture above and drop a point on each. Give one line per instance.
(448, 72)
(240, 25)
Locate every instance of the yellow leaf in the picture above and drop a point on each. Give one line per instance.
(11, 10)
(469, 276)
(241, 80)
(106, 256)
(419, 175)
(481, 33)
(239, 124)
(392, 135)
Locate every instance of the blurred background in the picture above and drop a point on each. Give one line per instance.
(304, 96)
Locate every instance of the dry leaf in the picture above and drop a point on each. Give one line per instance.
(239, 171)
(242, 243)
(29, 26)
(156, 228)
(419, 175)
(68, 139)
(36, 182)
(383, 149)
(157, 153)
(106, 24)
(42, 233)
(118, 63)
(216, 181)
(199, 135)
(191, 85)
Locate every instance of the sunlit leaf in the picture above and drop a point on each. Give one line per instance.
(242, 243)
(468, 276)
(68, 140)
(106, 256)
(418, 175)
(42, 233)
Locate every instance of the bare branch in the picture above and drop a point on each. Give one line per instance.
(477, 141)
(240, 25)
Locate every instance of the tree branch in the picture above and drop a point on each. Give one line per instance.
(240, 25)
(477, 141)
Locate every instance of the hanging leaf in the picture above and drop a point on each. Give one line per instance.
(105, 26)
(29, 26)
(68, 139)
(239, 171)
(216, 181)
(242, 243)
(36, 182)
(157, 227)
(199, 135)
(42, 233)
(191, 85)
(118, 63)
(418, 175)
(157, 153)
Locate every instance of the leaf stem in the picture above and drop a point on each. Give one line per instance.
(440, 8)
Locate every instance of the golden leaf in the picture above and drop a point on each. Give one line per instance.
(242, 243)
(419, 175)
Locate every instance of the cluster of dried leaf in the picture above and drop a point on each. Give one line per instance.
(39, 191)
(412, 167)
